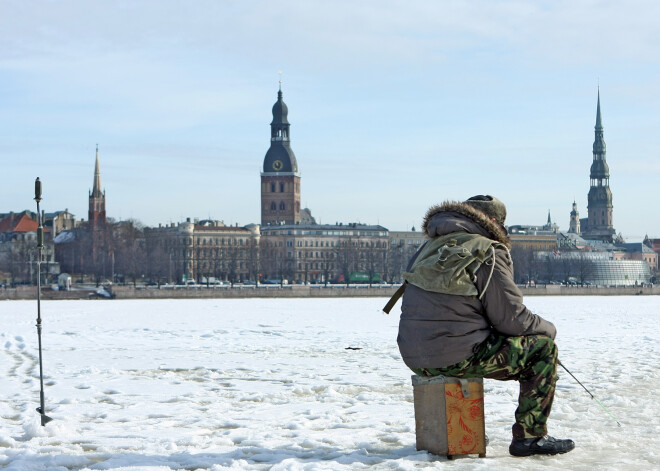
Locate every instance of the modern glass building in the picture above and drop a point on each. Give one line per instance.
(619, 272)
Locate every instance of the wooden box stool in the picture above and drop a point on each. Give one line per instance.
(449, 415)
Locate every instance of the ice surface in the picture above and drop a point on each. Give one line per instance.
(270, 384)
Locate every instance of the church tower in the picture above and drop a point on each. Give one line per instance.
(280, 180)
(574, 225)
(96, 214)
(599, 217)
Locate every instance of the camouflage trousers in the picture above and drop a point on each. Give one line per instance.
(531, 360)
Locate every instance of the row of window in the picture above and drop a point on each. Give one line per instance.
(274, 186)
(220, 253)
(221, 241)
(410, 242)
(329, 244)
(205, 266)
(325, 233)
(302, 254)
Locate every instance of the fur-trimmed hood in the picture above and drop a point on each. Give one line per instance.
(453, 216)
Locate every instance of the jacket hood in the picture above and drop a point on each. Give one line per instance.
(453, 216)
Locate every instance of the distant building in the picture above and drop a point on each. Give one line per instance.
(204, 249)
(280, 179)
(403, 245)
(84, 247)
(319, 253)
(653, 244)
(640, 251)
(619, 272)
(18, 249)
(536, 238)
(574, 225)
(96, 214)
(59, 221)
(293, 246)
(96, 220)
(598, 225)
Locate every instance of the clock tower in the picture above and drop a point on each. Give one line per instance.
(280, 180)
(599, 218)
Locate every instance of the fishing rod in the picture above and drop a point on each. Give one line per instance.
(589, 392)
(40, 246)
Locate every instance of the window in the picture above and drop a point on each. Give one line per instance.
(281, 187)
(272, 187)
(282, 206)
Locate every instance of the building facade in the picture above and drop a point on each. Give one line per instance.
(320, 253)
(403, 245)
(534, 238)
(203, 250)
(18, 249)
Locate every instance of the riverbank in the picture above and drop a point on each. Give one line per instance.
(293, 291)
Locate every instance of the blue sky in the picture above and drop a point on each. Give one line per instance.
(394, 106)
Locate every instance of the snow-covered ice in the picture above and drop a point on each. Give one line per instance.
(270, 384)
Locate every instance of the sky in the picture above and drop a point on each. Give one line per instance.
(394, 106)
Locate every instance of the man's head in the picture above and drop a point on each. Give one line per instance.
(489, 205)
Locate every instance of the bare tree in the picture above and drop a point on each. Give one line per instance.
(584, 267)
(347, 258)
(129, 249)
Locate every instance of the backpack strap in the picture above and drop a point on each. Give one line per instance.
(395, 297)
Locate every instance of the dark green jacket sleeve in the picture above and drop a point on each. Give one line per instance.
(503, 301)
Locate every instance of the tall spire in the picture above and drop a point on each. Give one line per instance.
(599, 124)
(599, 220)
(280, 180)
(96, 191)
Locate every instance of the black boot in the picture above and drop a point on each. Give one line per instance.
(539, 446)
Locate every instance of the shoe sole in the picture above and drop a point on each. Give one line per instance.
(538, 452)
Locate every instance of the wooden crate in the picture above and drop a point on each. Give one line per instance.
(449, 415)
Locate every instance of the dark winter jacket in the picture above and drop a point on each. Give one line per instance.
(439, 329)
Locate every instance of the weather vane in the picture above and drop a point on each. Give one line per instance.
(280, 72)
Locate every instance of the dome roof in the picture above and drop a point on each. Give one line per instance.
(280, 110)
(280, 159)
(599, 169)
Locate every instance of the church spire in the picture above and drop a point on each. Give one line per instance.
(96, 211)
(96, 190)
(599, 124)
(599, 220)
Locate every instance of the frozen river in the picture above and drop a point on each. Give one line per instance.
(270, 384)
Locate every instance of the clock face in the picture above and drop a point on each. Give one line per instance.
(278, 165)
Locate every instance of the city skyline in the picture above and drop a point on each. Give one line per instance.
(393, 107)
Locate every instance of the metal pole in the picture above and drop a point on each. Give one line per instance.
(589, 392)
(40, 246)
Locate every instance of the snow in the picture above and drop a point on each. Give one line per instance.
(270, 384)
